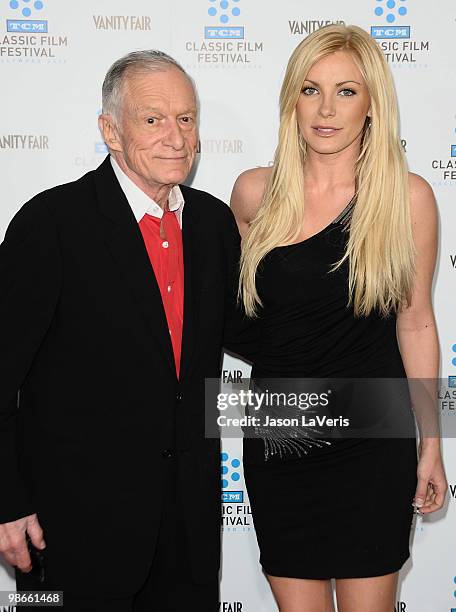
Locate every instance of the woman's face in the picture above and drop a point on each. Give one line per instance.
(333, 104)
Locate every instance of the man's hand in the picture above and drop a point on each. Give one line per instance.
(13, 544)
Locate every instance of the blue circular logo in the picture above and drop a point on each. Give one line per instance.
(232, 467)
(388, 8)
(224, 13)
(26, 10)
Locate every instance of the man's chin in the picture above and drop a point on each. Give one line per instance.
(174, 176)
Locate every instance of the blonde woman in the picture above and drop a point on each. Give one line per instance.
(338, 254)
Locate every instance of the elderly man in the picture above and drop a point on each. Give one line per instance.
(114, 291)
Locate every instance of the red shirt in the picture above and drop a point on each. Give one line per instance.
(167, 259)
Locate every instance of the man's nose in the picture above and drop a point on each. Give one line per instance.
(174, 137)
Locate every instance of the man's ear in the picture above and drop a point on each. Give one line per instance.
(109, 131)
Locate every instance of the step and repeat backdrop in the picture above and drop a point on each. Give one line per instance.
(53, 58)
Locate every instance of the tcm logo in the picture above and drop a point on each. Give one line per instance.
(230, 473)
(390, 10)
(26, 8)
(224, 12)
(453, 150)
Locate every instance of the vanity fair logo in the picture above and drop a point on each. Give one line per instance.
(231, 606)
(395, 37)
(304, 28)
(221, 146)
(224, 43)
(28, 37)
(122, 22)
(30, 142)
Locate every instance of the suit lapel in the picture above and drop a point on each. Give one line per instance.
(193, 245)
(124, 240)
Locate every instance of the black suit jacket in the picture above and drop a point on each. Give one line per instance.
(84, 340)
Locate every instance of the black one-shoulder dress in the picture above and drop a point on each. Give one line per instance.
(341, 508)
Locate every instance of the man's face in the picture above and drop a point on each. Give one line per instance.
(157, 133)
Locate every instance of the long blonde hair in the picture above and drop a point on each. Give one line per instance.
(380, 248)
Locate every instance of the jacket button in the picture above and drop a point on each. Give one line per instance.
(167, 453)
(179, 397)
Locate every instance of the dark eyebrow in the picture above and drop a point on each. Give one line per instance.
(337, 84)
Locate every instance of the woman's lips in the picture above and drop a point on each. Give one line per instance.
(325, 132)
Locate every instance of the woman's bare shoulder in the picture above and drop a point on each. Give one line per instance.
(248, 192)
(422, 199)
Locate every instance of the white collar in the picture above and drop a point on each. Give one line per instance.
(141, 203)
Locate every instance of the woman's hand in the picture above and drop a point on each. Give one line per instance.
(432, 483)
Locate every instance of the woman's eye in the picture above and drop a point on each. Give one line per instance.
(347, 92)
(308, 91)
(151, 120)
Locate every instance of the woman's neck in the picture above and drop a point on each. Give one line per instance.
(328, 171)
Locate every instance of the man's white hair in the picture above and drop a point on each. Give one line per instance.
(136, 61)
